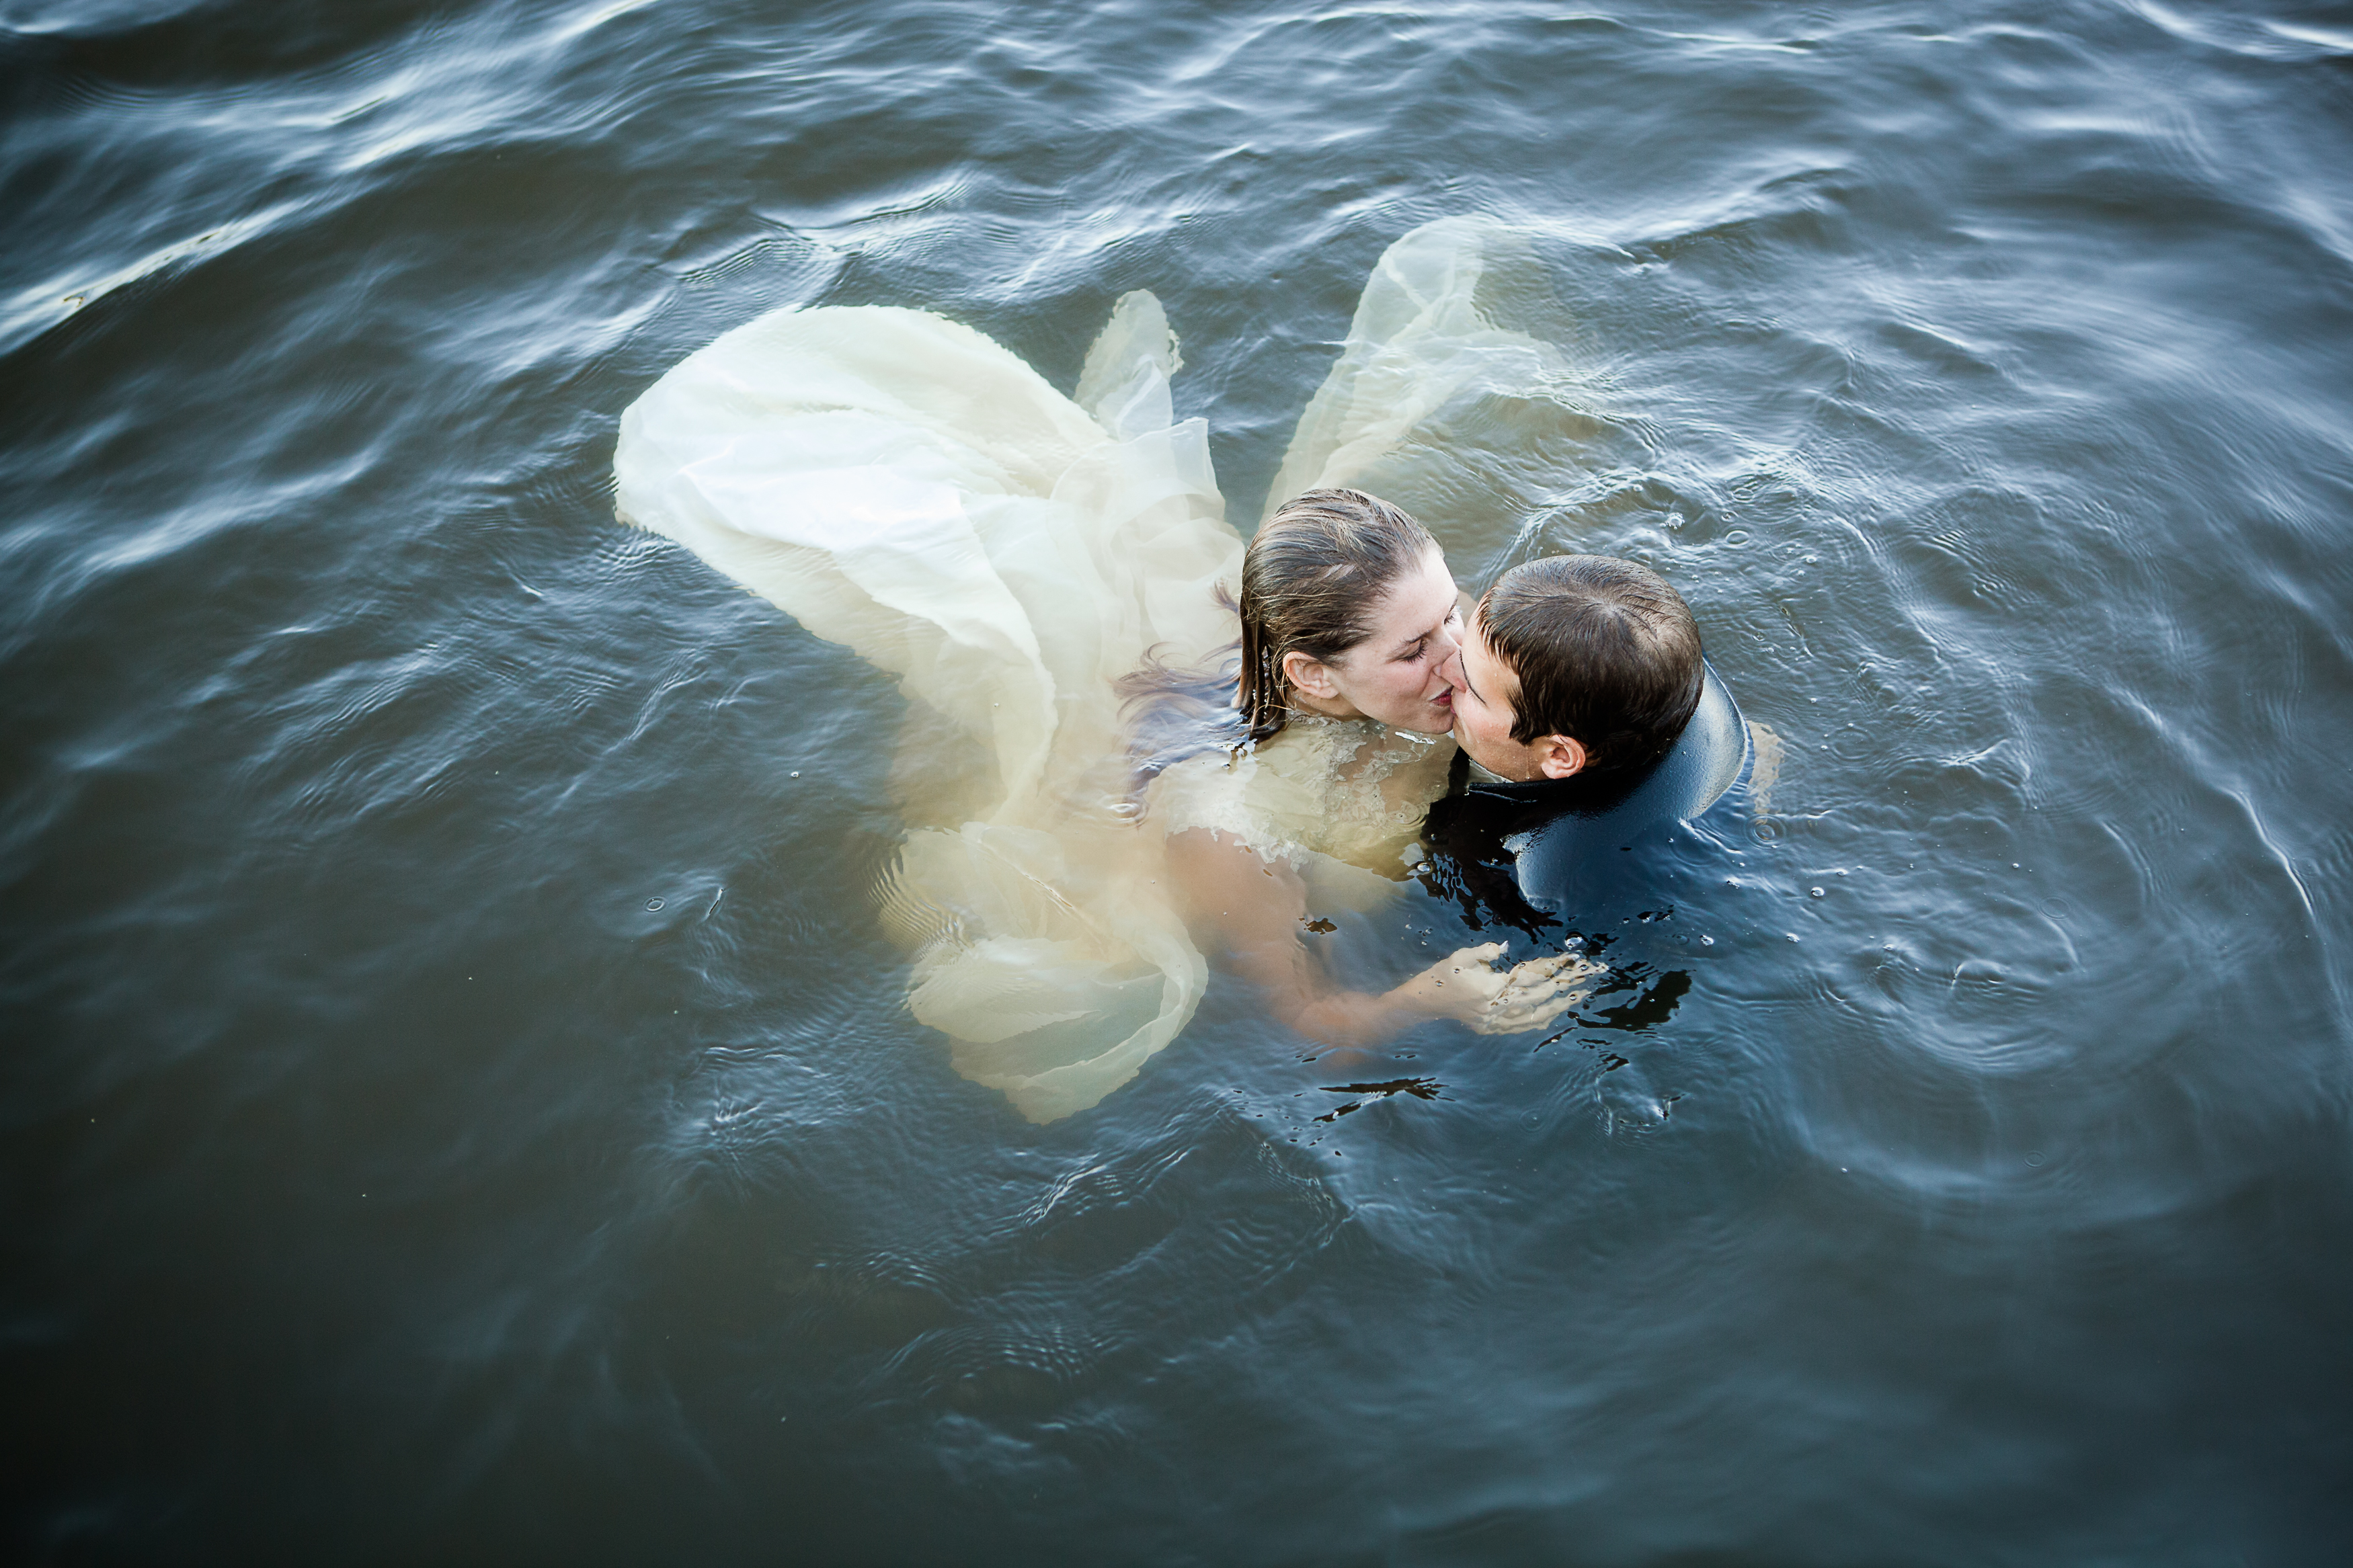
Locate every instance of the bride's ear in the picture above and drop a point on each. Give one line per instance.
(1560, 756)
(1310, 675)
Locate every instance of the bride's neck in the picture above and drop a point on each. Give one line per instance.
(1328, 707)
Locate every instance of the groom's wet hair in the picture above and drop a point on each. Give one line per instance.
(1605, 651)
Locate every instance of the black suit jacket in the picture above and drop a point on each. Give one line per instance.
(1580, 855)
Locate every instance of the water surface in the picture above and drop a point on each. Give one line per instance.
(458, 1100)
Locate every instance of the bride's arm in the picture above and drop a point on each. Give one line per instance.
(1254, 910)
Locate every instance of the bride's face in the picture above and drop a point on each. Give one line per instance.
(1394, 674)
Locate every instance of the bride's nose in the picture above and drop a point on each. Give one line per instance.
(1449, 668)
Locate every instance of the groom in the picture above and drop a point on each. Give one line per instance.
(1577, 672)
(1590, 726)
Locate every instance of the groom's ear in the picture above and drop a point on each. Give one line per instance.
(1310, 674)
(1560, 756)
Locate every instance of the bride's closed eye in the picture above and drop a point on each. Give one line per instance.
(1425, 645)
(1421, 644)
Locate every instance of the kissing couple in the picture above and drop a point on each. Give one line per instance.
(1134, 746)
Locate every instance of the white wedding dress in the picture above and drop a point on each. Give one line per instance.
(903, 486)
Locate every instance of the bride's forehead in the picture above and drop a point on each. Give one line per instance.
(1424, 591)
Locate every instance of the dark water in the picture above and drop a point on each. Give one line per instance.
(459, 1103)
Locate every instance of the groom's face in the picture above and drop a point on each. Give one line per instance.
(1486, 690)
(1482, 708)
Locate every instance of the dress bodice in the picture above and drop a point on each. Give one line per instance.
(1349, 790)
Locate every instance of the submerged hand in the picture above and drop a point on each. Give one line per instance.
(1465, 984)
(1535, 993)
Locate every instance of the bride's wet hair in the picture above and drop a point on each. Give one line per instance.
(1311, 578)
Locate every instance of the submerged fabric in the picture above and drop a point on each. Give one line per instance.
(1340, 801)
(903, 486)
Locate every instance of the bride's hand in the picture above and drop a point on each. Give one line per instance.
(1466, 985)
(1535, 993)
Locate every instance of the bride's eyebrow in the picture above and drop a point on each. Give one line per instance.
(1411, 646)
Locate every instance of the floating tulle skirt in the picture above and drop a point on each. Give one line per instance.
(903, 486)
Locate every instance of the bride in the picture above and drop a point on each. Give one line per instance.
(1347, 617)
(904, 485)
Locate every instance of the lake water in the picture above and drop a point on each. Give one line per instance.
(459, 1101)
